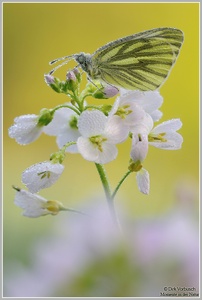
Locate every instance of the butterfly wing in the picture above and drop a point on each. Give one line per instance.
(141, 61)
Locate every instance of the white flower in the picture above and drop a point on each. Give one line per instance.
(41, 175)
(26, 129)
(99, 136)
(150, 101)
(64, 126)
(34, 205)
(164, 135)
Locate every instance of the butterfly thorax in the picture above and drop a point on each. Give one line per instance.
(86, 63)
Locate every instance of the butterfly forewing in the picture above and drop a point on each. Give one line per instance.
(141, 61)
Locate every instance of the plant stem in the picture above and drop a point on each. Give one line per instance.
(67, 106)
(104, 180)
(107, 190)
(119, 184)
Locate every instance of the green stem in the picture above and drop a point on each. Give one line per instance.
(104, 180)
(107, 190)
(68, 144)
(119, 184)
(76, 98)
(85, 95)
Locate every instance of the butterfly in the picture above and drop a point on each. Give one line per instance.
(141, 61)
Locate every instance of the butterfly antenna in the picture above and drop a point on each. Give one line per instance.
(59, 59)
(59, 66)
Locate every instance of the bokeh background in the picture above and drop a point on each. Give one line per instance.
(36, 33)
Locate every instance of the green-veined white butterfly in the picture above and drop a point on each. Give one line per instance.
(137, 62)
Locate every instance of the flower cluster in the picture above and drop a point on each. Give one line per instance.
(93, 132)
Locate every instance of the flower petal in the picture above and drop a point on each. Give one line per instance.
(173, 141)
(143, 181)
(60, 119)
(108, 154)
(90, 152)
(31, 203)
(139, 147)
(25, 130)
(115, 130)
(87, 149)
(145, 126)
(68, 135)
(61, 128)
(149, 101)
(156, 115)
(135, 116)
(91, 123)
(167, 126)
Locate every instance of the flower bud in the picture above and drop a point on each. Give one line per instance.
(53, 82)
(77, 74)
(49, 79)
(71, 81)
(71, 76)
(110, 91)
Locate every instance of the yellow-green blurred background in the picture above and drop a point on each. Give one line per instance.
(36, 33)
